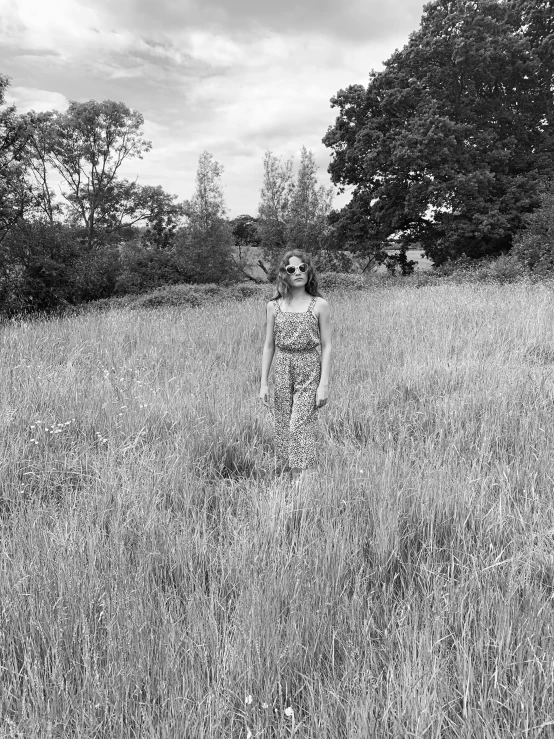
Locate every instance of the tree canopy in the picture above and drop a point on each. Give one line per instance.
(292, 214)
(87, 145)
(15, 192)
(446, 147)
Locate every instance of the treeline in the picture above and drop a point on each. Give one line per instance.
(449, 148)
(73, 230)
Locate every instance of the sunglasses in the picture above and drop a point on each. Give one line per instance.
(291, 269)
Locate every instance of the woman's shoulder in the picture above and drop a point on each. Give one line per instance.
(320, 304)
(271, 306)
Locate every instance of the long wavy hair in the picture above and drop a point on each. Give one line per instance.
(282, 286)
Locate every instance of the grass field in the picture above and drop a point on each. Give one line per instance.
(155, 582)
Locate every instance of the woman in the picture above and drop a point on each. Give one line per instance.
(298, 322)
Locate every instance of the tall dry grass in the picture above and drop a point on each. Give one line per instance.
(156, 583)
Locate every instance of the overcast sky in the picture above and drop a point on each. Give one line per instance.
(234, 77)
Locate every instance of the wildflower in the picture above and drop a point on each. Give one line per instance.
(289, 712)
(264, 705)
(248, 700)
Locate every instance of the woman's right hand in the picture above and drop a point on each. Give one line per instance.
(264, 395)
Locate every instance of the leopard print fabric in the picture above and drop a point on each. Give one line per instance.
(297, 375)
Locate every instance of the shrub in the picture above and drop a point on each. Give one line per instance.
(534, 247)
(335, 261)
(145, 269)
(207, 252)
(38, 268)
(341, 281)
(505, 268)
(195, 295)
(97, 271)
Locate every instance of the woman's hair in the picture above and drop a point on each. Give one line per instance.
(282, 285)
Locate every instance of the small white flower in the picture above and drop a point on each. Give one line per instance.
(289, 712)
(264, 705)
(248, 700)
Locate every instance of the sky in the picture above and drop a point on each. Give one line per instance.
(234, 77)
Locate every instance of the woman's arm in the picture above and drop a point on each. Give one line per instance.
(268, 352)
(325, 338)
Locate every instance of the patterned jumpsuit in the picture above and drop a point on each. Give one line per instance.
(297, 375)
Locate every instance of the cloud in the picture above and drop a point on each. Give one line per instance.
(30, 98)
(363, 20)
(235, 77)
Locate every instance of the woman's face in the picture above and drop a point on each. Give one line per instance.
(298, 279)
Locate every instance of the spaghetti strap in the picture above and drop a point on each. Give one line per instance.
(311, 306)
(277, 305)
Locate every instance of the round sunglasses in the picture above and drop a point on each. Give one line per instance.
(291, 268)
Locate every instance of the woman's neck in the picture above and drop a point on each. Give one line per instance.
(297, 293)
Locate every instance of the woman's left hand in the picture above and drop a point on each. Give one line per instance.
(321, 396)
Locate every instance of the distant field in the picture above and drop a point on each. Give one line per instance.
(423, 264)
(156, 582)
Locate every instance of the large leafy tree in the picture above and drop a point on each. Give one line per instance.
(16, 195)
(87, 146)
(448, 144)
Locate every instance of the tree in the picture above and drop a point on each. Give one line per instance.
(87, 146)
(447, 145)
(40, 129)
(274, 207)
(245, 231)
(292, 214)
(163, 216)
(246, 237)
(206, 241)
(16, 195)
(310, 205)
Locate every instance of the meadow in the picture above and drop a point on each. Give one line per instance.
(160, 578)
